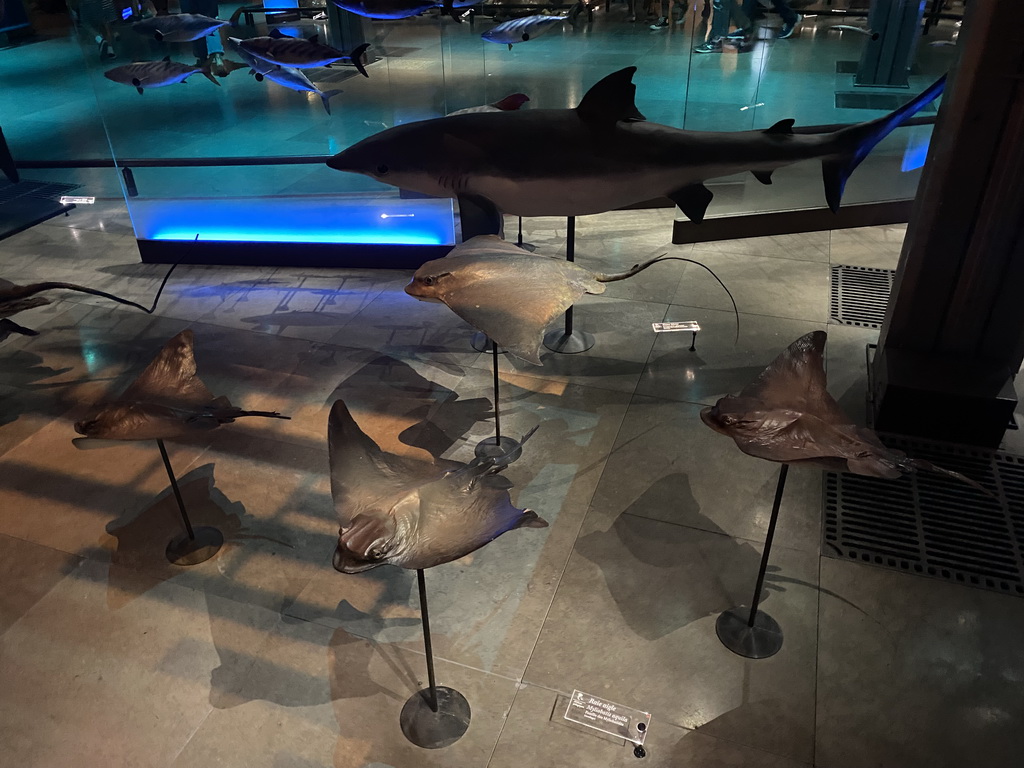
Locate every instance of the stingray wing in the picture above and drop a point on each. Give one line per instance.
(795, 380)
(171, 377)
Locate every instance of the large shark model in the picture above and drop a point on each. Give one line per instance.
(600, 156)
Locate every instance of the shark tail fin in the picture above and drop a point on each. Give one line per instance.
(207, 72)
(858, 140)
(356, 57)
(326, 96)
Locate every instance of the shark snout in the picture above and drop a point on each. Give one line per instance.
(415, 290)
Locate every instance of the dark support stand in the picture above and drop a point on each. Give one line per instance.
(745, 631)
(569, 341)
(194, 546)
(519, 239)
(504, 450)
(433, 717)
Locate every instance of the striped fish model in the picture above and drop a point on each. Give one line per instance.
(299, 53)
(522, 29)
(155, 74)
(179, 27)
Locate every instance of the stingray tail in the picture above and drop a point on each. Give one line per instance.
(856, 141)
(927, 466)
(637, 268)
(356, 57)
(30, 290)
(229, 414)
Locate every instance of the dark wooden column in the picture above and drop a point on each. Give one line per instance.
(954, 333)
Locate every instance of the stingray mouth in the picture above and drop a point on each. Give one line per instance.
(344, 561)
(715, 419)
(414, 289)
(86, 428)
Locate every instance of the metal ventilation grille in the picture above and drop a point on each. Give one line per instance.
(931, 524)
(38, 189)
(860, 295)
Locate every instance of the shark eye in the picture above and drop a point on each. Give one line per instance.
(428, 280)
(382, 170)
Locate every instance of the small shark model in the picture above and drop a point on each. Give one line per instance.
(787, 415)
(155, 74)
(298, 53)
(511, 102)
(179, 27)
(294, 79)
(598, 157)
(412, 513)
(397, 9)
(166, 401)
(509, 294)
(522, 29)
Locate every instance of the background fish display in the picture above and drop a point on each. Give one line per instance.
(413, 514)
(167, 400)
(509, 294)
(299, 53)
(156, 74)
(522, 29)
(787, 415)
(598, 157)
(397, 9)
(294, 79)
(179, 27)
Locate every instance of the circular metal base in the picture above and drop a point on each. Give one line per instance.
(433, 730)
(504, 451)
(760, 641)
(181, 550)
(569, 343)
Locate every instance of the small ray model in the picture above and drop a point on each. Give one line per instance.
(166, 401)
(511, 102)
(598, 157)
(179, 27)
(299, 53)
(155, 74)
(399, 9)
(522, 29)
(509, 294)
(412, 513)
(787, 415)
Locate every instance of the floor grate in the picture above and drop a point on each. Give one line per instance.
(930, 524)
(43, 190)
(859, 295)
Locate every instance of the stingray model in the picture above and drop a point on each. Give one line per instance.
(600, 156)
(509, 294)
(787, 415)
(167, 400)
(411, 513)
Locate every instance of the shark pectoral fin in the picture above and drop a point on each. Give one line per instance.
(325, 95)
(765, 177)
(835, 173)
(510, 46)
(479, 216)
(276, 33)
(611, 99)
(356, 57)
(692, 200)
(531, 519)
(783, 127)
(139, 89)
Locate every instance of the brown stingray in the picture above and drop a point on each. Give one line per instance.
(509, 294)
(167, 400)
(412, 513)
(787, 415)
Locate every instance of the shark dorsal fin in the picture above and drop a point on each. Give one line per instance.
(611, 99)
(277, 34)
(166, 58)
(781, 127)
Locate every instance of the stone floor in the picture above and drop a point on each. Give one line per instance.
(266, 656)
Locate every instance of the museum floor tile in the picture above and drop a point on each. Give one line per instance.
(266, 657)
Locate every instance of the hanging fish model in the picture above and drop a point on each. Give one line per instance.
(167, 400)
(294, 79)
(600, 156)
(179, 27)
(509, 294)
(522, 29)
(156, 74)
(297, 52)
(397, 9)
(410, 513)
(787, 415)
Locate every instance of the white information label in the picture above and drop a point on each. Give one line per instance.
(608, 717)
(684, 325)
(69, 200)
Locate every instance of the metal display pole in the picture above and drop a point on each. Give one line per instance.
(747, 632)
(503, 449)
(569, 341)
(195, 545)
(435, 716)
(519, 239)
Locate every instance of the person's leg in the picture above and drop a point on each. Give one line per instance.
(789, 16)
(662, 21)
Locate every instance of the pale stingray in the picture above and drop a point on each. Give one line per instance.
(509, 294)
(787, 415)
(167, 400)
(411, 513)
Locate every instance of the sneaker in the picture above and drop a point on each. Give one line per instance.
(661, 23)
(789, 29)
(711, 46)
(740, 34)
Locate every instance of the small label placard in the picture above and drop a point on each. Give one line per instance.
(69, 200)
(607, 717)
(684, 325)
